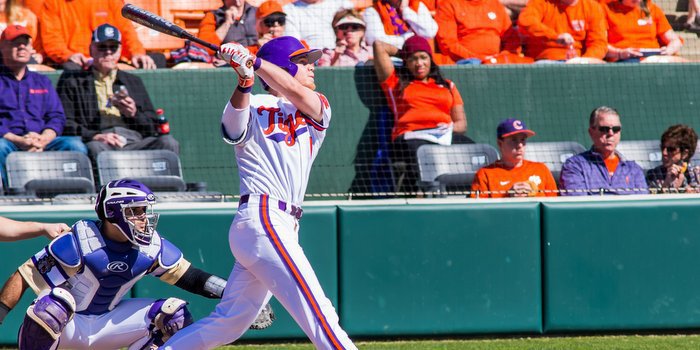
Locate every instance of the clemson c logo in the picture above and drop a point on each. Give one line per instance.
(518, 124)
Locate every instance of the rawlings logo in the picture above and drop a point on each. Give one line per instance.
(45, 264)
(117, 266)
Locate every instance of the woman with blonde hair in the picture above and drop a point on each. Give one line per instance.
(350, 46)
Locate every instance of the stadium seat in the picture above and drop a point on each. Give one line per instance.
(47, 174)
(187, 13)
(158, 169)
(553, 154)
(455, 165)
(645, 152)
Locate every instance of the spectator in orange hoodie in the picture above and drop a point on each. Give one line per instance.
(637, 29)
(66, 31)
(559, 30)
(473, 31)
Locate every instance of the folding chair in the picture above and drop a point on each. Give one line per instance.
(47, 174)
(553, 154)
(455, 165)
(647, 153)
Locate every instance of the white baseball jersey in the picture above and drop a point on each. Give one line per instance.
(278, 147)
(275, 153)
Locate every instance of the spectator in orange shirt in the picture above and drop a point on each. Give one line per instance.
(512, 175)
(67, 26)
(13, 13)
(559, 30)
(637, 29)
(473, 31)
(232, 22)
(427, 108)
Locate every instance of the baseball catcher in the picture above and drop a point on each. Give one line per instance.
(82, 276)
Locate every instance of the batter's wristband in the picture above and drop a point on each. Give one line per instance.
(4, 310)
(257, 63)
(245, 90)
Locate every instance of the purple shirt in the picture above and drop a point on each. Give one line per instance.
(30, 104)
(587, 172)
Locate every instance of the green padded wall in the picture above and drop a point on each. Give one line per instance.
(203, 237)
(16, 253)
(440, 269)
(554, 100)
(621, 265)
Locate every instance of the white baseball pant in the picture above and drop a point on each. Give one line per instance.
(269, 261)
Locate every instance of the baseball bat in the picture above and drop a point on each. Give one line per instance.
(162, 25)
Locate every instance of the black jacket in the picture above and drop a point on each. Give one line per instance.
(77, 92)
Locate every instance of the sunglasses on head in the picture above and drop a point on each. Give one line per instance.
(271, 21)
(108, 47)
(606, 129)
(350, 26)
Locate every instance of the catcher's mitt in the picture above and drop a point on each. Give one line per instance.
(264, 319)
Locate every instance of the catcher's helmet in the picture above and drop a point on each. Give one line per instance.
(116, 203)
(283, 50)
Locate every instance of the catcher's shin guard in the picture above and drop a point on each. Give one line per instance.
(45, 320)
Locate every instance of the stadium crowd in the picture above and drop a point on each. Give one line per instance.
(406, 41)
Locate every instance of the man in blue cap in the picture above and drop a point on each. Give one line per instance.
(108, 108)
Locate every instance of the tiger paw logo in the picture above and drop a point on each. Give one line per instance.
(282, 127)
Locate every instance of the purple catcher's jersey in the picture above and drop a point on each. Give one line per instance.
(98, 272)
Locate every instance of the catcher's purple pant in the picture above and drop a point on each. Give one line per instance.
(269, 261)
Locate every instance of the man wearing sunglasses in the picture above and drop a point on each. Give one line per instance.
(271, 23)
(602, 170)
(107, 107)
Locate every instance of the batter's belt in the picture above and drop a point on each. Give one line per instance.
(290, 209)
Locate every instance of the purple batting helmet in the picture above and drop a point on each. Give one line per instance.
(115, 203)
(283, 50)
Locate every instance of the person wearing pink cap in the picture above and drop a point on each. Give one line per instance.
(427, 108)
(512, 175)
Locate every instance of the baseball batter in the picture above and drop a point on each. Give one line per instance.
(82, 276)
(276, 138)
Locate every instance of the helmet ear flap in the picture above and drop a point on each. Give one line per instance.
(99, 203)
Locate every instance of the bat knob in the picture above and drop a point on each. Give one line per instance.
(249, 63)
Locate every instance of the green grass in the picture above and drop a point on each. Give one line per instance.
(646, 342)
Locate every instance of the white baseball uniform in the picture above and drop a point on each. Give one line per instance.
(274, 155)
